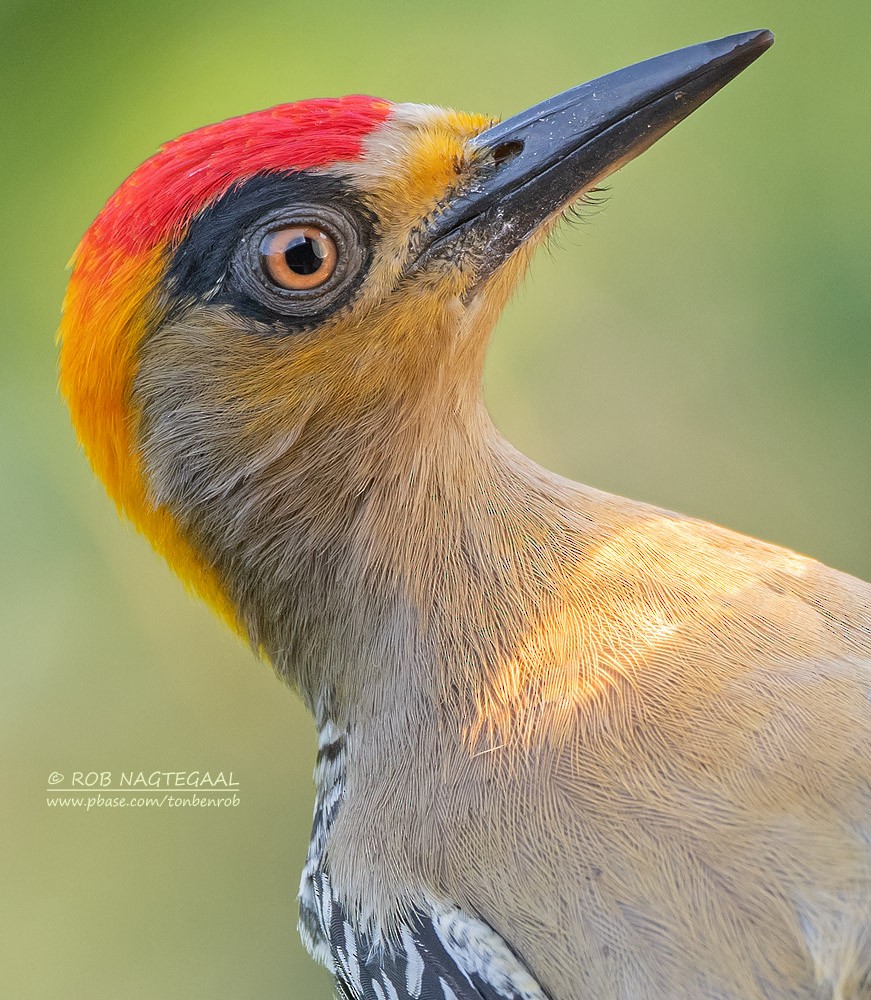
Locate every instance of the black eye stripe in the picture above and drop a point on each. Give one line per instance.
(205, 264)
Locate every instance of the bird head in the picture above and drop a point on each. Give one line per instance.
(277, 311)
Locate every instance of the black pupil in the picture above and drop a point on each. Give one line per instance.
(304, 255)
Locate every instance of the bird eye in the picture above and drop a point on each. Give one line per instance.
(302, 260)
(298, 257)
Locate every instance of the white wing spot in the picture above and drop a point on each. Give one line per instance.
(327, 904)
(351, 947)
(391, 991)
(414, 969)
(448, 992)
(478, 950)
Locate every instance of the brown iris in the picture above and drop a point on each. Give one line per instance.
(298, 257)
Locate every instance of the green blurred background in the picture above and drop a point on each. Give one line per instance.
(703, 343)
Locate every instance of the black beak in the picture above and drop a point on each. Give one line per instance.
(534, 165)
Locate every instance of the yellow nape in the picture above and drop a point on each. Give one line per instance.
(109, 306)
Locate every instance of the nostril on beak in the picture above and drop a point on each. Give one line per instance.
(505, 152)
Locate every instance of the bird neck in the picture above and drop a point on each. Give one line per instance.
(397, 563)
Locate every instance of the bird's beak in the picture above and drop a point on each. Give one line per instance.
(534, 165)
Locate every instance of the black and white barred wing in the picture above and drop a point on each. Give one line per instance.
(442, 954)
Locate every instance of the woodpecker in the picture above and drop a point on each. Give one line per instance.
(569, 745)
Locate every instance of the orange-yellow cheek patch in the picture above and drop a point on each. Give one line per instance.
(109, 306)
(432, 163)
(437, 157)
